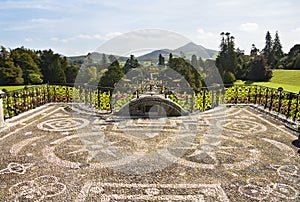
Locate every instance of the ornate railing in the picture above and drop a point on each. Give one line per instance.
(282, 102)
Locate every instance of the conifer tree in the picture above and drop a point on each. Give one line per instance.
(277, 49)
(161, 60)
(268, 50)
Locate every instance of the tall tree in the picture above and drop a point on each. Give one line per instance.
(170, 57)
(194, 61)
(201, 62)
(131, 63)
(53, 66)
(258, 69)
(112, 76)
(112, 58)
(268, 50)
(277, 49)
(103, 60)
(254, 51)
(27, 60)
(185, 69)
(226, 61)
(9, 73)
(161, 60)
(71, 73)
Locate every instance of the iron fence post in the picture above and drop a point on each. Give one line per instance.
(236, 94)
(271, 101)
(297, 105)
(203, 100)
(15, 103)
(280, 89)
(1, 108)
(266, 97)
(255, 99)
(291, 95)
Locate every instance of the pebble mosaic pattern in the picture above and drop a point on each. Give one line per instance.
(226, 154)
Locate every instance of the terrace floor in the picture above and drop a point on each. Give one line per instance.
(63, 153)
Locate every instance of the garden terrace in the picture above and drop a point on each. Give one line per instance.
(54, 153)
(283, 104)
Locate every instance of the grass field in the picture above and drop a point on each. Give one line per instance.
(289, 80)
(12, 88)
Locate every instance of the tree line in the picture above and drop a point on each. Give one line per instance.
(234, 64)
(23, 66)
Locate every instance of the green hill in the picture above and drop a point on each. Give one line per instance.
(289, 80)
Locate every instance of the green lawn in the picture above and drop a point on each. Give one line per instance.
(11, 88)
(289, 80)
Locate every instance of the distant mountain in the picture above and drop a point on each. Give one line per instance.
(153, 56)
(95, 56)
(191, 48)
(186, 51)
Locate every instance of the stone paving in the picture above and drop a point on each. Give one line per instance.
(61, 153)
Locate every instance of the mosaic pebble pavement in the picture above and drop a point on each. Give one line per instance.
(236, 154)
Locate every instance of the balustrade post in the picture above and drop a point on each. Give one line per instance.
(91, 96)
(85, 94)
(291, 95)
(98, 97)
(271, 101)
(217, 94)
(1, 108)
(15, 103)
(280, 89)
(236, 94)
(255, 99)
(266, 101)
(203, 100)
(48, 94)
(212, 98)
(297, 105)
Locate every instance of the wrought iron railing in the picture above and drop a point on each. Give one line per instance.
(284, 103)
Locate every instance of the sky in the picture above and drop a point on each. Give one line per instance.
(77, 27)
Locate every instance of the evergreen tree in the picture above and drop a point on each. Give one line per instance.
(112, 58)
(201, 62)
(9, 73)
(187, 71)
(258, 70)
(131, 63)
(170, 57)
(53, 66)
(268, 50)
(27, 61)
(71, 72)
(104, 60)
(297, 62)
(277, 49)
(194, 62)
(161, 60)
(112, 76)
(226, 61)
(254, 51)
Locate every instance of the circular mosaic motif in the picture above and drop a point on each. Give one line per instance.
(63, 124)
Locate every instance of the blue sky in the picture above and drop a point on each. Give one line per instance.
(74, 27)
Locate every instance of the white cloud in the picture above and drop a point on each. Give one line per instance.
(25, 5)
(248, 27)
(297, 29)
(87, 37)
(28, 40)
(202, 34)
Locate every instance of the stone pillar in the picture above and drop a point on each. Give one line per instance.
(1, 109)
